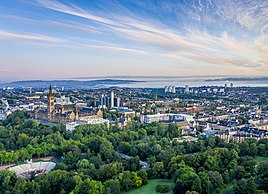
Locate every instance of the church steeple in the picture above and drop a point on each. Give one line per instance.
(50, 90)
(50, 103)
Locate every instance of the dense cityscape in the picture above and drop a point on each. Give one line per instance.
(188, 139)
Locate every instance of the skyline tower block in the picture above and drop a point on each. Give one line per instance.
(112, 99)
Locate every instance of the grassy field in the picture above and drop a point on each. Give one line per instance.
(228, 188)
(260, 159)
(150, 187)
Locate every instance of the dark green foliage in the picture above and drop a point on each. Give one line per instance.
(262, 171)
(161, 188)
(144, 177)
(89, 187)
(244, 187)
(88, 159)
(112, 186)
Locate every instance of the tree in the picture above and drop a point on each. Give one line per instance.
(166, 155)
(32, 187)
(133, 164)
(24, 154)
(206, 185)
(239, 172)
(23, 140)
(156, 149)
(210, 141)
(112, 186)
(53, 182)
(83, 164)
(193, 160)
(133, 151)
(71, 158)
(89, 187)
(125, 181)
(96, 160)
(142, 132)
(262, 172)
(144, 176)
(7, 181)
(129, 180)
(94, 144)
(185, 182)
(262, 150)
(226, 177)
(38, 151)
(137, 181)
(20, 187)
(185, 178)
(158, 170)
(196, 186)
(244, 186)
(249, 165)
(109, 171)
(211, 163)
(253, 150)
(216, 179)
(106, 151)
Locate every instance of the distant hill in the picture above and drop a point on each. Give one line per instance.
(68, 84)
(239, 79)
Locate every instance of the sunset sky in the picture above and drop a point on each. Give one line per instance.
(53, 39)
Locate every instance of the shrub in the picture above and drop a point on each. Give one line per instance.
(161, 188)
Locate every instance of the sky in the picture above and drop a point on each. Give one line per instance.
(56, 39)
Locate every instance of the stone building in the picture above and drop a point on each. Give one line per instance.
(63, 113)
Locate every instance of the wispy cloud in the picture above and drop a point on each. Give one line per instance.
(252, 15)
(191, 44)
(209, 36)
(115, 48)
(4, 35)
(74, 10)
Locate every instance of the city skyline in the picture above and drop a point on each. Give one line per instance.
(46, 39)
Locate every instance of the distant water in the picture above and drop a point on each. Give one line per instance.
(159, 82)
(144, 82)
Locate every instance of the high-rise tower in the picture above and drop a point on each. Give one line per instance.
(50, 103)
(112, 99)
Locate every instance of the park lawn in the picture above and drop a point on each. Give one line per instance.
(228, 188)
(260, 159)
(150, 187)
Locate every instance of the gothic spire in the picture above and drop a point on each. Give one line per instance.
(50, 89)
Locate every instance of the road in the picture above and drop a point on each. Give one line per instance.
(144, 165)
